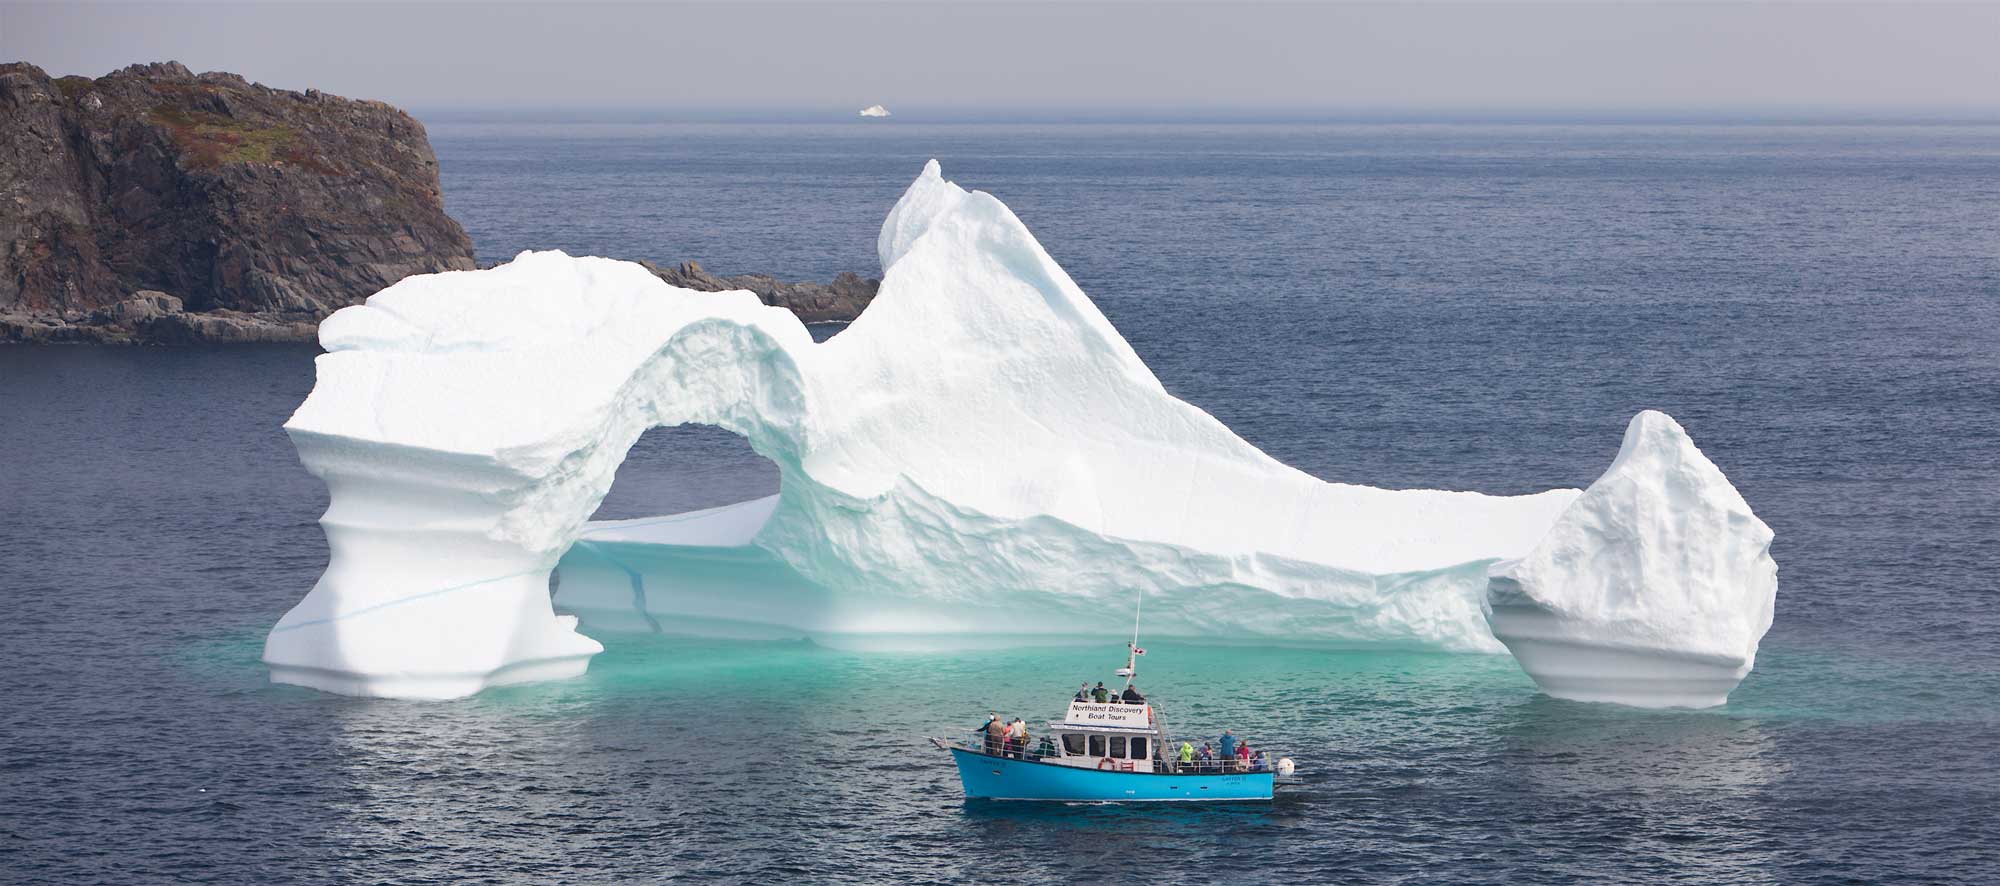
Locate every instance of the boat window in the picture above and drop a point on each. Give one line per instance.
(1138, 749)
(1097, 745)
(1073, 745)
(1118, 746)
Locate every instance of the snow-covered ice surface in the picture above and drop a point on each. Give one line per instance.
(979, 453)
(874, 111)
(1654, 587)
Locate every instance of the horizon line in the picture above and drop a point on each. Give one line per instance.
(920, 114)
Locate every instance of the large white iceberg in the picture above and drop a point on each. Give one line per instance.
(1654, 587)
(979, 453)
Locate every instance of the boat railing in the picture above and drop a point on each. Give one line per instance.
(1033, 753)
(978, 746)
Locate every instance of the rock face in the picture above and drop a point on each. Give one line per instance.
(840, 301)
(155, 204)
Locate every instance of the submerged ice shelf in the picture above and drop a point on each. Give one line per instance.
(980, 452)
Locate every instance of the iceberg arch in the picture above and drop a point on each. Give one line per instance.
(980, 452)
(449, 505)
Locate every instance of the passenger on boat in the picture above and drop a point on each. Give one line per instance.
(1083, 692)
(1132, 695)
(1099, 693)
(996, 734)
(1207, 758)
(1242, 756)
(1187, 755)
(1257, 762)
(1228, 745)
(1046, 749)
(1017, 738)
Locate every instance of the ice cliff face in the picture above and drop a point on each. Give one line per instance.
(1652, 589)
(979, 453)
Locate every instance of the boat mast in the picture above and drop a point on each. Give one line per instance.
(1132, 650)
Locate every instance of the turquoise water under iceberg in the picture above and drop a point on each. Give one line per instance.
(1474, 306)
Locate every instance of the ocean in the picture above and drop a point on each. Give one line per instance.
(1446, 305)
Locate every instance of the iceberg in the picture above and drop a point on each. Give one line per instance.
(1652, 589)
(874, 111)
(980, 453)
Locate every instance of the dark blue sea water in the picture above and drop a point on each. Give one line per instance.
(1461, 306)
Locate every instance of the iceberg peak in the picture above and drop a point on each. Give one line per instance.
(927, 199)
(1653, 588)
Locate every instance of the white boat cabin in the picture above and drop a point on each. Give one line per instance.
(1108, 735)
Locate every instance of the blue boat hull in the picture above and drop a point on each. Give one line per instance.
(998, 778)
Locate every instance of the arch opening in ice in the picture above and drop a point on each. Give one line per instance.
(682, 468)
(465, 449)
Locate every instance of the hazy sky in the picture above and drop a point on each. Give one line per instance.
(971, 56)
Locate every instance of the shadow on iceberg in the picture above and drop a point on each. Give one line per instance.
(979, 453)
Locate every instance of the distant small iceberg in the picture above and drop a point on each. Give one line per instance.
(874, 111)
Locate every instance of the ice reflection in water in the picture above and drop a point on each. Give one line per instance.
(1684, 791)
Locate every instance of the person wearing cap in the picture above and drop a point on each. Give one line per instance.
(1099, 693)
(996, 731)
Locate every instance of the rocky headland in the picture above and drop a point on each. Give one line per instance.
(836, 302)
(156, 205)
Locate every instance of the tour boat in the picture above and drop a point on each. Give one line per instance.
(1108, 752)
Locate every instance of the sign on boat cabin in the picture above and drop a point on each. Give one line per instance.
(1107, 735)
(1090, 713)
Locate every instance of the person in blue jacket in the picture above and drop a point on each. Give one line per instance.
(1228, 745)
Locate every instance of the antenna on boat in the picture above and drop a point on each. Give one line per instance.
(1132, 650)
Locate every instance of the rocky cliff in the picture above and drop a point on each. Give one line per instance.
(839, 301)
(161, 205)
